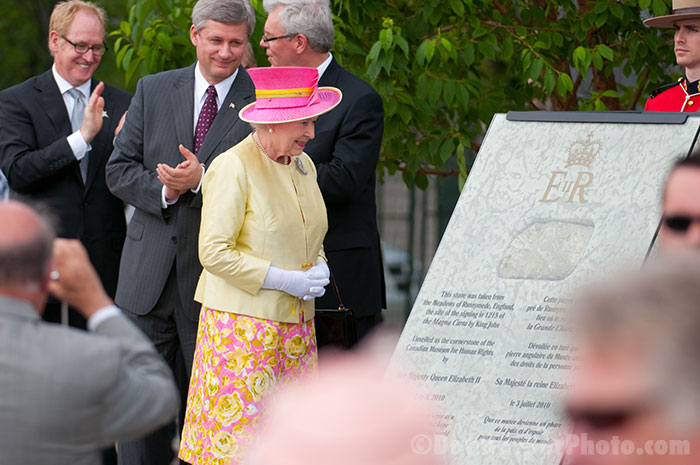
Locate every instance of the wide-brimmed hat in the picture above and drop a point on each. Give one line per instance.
(288, 93)
(681, 9)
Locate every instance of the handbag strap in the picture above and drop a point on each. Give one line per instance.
(341, 307)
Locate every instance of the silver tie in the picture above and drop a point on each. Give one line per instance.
(76, 120)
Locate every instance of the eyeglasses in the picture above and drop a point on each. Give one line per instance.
(97, 49)
(680, 223)
(600, 419)
(270, 39)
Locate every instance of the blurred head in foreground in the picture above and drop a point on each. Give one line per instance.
(635, 395)
(26, 245)
(347, 415)
(681, 205)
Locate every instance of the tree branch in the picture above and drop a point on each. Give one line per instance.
(640, 89)
(491, 22)
(431, 171)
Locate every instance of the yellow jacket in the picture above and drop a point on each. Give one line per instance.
(257, 213)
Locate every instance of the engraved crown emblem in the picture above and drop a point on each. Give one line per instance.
(583, 152)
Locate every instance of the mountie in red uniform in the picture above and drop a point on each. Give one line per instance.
(679, 96)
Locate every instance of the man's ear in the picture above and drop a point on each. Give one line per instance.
(194, 35)
(301, 43)
(47, 277)
(53, 41)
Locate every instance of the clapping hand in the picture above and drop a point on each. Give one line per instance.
(92, 118)
(183, 177)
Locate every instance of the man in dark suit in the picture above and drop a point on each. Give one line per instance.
(54, 152)
(178, 122)
(345, 151)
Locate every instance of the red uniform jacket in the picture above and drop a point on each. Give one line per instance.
(679, 96)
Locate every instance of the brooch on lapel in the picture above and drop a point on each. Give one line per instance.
(104, 114)
(300, 166)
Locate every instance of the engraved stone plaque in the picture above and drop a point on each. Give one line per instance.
(547, 207)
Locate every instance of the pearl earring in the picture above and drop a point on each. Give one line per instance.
(269, 130)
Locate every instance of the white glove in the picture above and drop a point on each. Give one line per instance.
(320, 270)
(302, 284)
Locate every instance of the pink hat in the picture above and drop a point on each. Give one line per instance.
(285, 94)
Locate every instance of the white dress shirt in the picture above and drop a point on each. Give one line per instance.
(324, 66)
(102, 315)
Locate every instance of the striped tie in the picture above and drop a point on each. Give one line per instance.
(76, 120)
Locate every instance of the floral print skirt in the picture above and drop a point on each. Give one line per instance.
(238, 363)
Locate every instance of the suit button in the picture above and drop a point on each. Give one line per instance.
(173, 239)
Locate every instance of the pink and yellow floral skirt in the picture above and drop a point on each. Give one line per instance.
(238, 363)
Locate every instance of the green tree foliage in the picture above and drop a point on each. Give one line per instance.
(156, 37)
(24, 52)
(444, 67)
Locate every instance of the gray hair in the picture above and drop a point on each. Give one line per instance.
(312, 18)
(232, 12)
(657, 308)
(26, 262)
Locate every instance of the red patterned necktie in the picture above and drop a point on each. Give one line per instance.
(206, 117)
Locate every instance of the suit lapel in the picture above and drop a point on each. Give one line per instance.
(51, 102)
(241, 94)
(326, 122)
(182, 109)
(330, 75)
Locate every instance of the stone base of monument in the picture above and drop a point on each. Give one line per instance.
(553, 200)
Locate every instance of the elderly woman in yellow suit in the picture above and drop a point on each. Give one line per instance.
(260, 243)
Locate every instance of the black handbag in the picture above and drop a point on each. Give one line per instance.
(335, 327)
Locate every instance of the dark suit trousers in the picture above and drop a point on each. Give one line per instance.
(174, 336)
(366, 324)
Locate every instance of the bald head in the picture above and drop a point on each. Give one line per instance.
(19, 221)
(25, 247)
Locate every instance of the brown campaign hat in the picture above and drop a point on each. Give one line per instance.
(681, 9)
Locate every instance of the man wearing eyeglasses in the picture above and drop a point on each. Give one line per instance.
(634, 395)
(345, 151)
(681, 205)
(56, 132)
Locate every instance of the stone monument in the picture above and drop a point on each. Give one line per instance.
(547, 207)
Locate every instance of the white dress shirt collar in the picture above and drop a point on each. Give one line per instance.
(64, 86)
(201, 85)
(324, 66)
